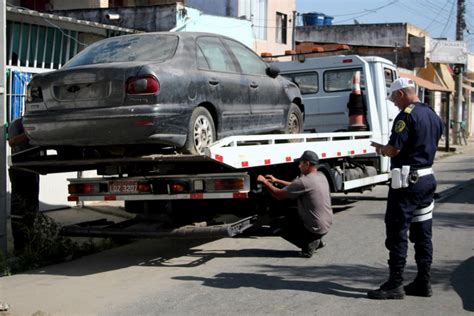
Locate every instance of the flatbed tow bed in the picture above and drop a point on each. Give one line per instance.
(141, 228)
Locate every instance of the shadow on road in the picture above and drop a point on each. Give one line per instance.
(269, 282)
(462, 280)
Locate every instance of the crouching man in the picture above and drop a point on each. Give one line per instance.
(311, 190)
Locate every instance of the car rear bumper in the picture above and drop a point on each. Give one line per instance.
(109, 126)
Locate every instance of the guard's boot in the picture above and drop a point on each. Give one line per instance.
(390, 290)
(421, 286)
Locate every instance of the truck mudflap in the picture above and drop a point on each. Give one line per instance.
(136, 229)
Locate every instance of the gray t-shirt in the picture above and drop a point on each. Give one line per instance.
(314, 201)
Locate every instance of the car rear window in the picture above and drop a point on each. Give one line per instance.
(148, 47)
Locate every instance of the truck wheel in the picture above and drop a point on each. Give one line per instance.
(295, 120)
(201, 132)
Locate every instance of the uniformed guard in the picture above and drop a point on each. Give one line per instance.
(412, 148)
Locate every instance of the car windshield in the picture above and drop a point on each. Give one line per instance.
(127, 48)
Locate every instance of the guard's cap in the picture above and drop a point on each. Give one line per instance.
(310, 156)
(401, 83)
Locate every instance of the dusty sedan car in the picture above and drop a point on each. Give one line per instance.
(153, 90)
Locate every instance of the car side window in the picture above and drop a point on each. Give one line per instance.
(201, 60)
(250, 63)
(215, 54)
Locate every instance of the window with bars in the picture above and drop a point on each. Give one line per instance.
(35, 46)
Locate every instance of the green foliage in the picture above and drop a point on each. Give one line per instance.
(45, 245)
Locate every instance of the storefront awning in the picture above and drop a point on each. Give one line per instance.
(425, 83)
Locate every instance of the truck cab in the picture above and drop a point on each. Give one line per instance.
(326, 84)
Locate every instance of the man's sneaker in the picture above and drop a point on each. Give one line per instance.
(322, 244)
(388, 291)
(310, 249)
(419, 288)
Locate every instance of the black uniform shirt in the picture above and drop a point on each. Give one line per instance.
(416, 132)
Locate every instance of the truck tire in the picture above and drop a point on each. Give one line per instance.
(201, 132)
(294, 123)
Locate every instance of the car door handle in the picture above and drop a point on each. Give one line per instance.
(253, 85)
(213, 82)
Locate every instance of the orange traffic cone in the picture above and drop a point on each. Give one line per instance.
(356, 106)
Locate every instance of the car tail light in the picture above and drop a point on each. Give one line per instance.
(34, 94)
(143, 85)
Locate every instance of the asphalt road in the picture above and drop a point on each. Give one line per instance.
(263, 275)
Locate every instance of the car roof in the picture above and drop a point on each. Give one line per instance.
(184, 35)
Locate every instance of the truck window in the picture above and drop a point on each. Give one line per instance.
(306, 81)
(389, 77)
(341, 80)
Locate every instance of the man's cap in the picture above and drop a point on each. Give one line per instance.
(310, 156)
(401, 83)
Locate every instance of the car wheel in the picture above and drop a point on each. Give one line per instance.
(295, 120)
(201, 132)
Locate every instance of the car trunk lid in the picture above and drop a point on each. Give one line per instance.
(87, 87)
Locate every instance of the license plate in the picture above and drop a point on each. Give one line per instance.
(123, 187)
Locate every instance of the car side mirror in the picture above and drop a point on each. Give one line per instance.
(273, 71)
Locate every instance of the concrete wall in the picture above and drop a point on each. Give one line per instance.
(356, 34)
(148, 19)
(215, 7)
(270, 45)
(78, 4)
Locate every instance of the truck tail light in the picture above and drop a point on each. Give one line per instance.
(84, 188)
(145, 85)
(228, 184)
(144, 188)
(176, 188)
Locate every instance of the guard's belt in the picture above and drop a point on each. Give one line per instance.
(423, 172)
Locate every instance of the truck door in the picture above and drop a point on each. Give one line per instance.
(337, 87)
(392, 111)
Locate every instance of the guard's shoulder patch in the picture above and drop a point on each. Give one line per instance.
(409, 108)
(400, 126)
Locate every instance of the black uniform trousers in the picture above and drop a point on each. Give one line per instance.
(402, 217)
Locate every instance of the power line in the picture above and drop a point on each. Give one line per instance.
(435, 17)
(449, 19)
(369, 11)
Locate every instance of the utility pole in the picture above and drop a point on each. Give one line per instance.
(3, 141)
(458, 70)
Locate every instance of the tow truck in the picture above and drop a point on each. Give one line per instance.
(179, 195)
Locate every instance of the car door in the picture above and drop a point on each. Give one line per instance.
(268, 100)
(225, 88)
(308, 83)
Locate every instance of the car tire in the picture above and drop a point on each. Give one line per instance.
(201, 132)
(294, 123)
